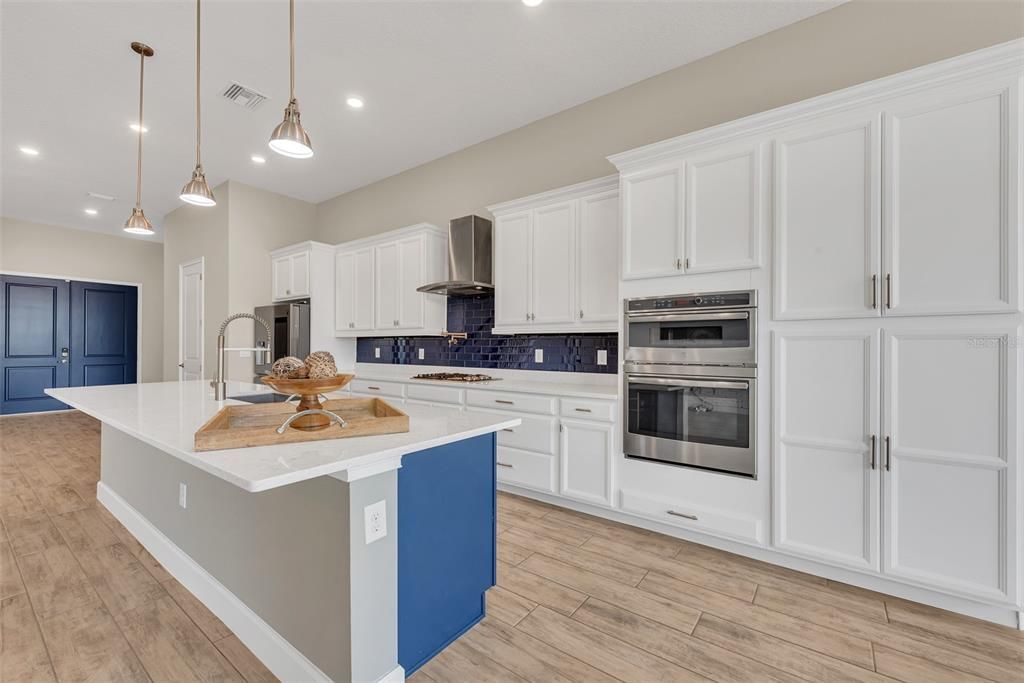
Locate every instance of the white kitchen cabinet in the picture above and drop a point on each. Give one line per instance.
(723, 205)
(386, 269)
(827, 219)
(556, 260)
(597, 268)
(354, 291)
(290, 274)
(952, 196)
(586, 461)
(652, 223)
(950, 459)
(826, 449)
(410, 275)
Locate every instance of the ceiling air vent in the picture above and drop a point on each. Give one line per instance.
(243, 96)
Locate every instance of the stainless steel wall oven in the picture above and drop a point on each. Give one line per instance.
(691, 380)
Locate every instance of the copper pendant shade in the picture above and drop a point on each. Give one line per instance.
(197, 191)
(290, 138)
(137, 223)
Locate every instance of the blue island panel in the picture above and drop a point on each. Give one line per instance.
(446, 545)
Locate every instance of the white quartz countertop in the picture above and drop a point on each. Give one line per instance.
(166, 415)
(522, 382)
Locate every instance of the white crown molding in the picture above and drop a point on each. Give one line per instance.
(1003, 59)
(301, 246)
(391, 235)
(569, 192)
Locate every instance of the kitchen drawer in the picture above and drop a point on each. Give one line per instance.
(536, 433)
(532, 470)
(433, 394)
(515, 402)
(696, 517)
(584, 409)
(371, 387)
(433, 404)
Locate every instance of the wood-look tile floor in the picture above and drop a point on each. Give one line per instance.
(578, 599)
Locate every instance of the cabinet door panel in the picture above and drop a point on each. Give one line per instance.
(950, 502)
(365, 291)
(723, 211)
(410, 276)
(386, 278)
(282, 269)
(598, 249)
(826, 489)
(652, 223)
(554, 264)
(512, 269)
(827, 234)
(300, 274)
(587, 461)
(344, 291)
(952, 193)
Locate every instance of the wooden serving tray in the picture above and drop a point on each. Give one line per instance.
(256, 425)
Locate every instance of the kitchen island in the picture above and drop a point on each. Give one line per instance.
(352, 559)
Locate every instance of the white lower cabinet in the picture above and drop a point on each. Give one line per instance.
(522, 468)
(586, 467)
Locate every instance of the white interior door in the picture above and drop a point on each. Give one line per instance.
(554, 263)
(827, 220)
(598, 249)
(826, 480)
(950, 473)
(952, 197)
(190, 320)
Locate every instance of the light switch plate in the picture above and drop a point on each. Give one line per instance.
(183, 495)
(376, 352)
(602, 356)
(538, 356)
(376, 521)
(420, 353)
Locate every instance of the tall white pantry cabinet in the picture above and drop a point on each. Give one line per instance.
(887, 221)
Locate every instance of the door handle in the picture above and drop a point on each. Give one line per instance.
(681, 514)
(181, 365)
(874, 463)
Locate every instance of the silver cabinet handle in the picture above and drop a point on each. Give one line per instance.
(508, 429)
(888, 290)
(681, 514)
(888, 454)
(508, 403)
(581, 314)
(874, 464)
(505, 464)
(874, 291)
(686, 262)
(584, 410)
(374, 388)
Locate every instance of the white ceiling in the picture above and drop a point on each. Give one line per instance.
(436, 77)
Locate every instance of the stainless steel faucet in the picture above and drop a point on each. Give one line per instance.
(220, 389)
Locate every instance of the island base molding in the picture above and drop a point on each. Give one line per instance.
(1003, 615)
(276, 653)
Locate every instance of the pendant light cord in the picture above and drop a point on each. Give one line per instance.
(291, 50)
(138, 170)
(199, 131)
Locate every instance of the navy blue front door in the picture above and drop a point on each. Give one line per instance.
(57, 333)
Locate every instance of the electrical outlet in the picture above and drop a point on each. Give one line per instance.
(421, 354)
(602, 356)
(183, 495)
(538, 356)
(376, 521)
(376, 352)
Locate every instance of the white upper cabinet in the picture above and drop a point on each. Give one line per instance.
(951, 196)
(376, 280)
(723, 203)
(652, 223)
(597, 269)
(290, 274)
(827, 219)
(556, 260)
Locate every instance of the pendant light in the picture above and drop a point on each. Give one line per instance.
(197, 191)
(137, 223)
(290, 138)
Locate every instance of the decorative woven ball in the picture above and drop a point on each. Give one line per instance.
(288, 367)
(321, 365)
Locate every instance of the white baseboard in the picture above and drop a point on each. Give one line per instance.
(396, 675)
(276, 653)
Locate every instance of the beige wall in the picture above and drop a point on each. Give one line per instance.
(856, 42)
(235, 237)
(81, 255)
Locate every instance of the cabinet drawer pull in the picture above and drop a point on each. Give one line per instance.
(584, 410)
(509, 430)
(888, 290)
(374, 388)
(508, 403)
(505, 464)
(681, 514)
(874, 291)
(679, 264)
(888, 454)
(874, 464)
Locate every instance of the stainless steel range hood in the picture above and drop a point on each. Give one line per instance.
(469, 259)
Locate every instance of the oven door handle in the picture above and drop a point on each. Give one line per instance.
(677, 382)
(661, 316)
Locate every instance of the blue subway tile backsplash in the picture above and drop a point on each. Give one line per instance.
(474, 315)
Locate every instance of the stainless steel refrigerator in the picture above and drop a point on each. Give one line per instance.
(289, 324)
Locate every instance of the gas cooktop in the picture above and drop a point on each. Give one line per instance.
(456, 377)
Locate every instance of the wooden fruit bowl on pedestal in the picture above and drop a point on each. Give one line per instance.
(309, 391)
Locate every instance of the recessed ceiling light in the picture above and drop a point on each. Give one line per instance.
(532, 3)
(103, 197)
(135, 127)
(355, 102)
(257, 159)
(91, 212)
(29, 151)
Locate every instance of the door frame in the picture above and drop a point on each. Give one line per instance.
(100, 281)
(201, 261)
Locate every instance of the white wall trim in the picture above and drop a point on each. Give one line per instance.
(603, 184)
(202, 316)
(396, 675)
(392, 235)
(280, 656)
(991, 61)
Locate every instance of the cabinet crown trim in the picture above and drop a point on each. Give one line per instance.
(588, 187)
(391, 236)
(991, 61)
(300, 247)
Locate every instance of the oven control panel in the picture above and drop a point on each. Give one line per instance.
(738, 299)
